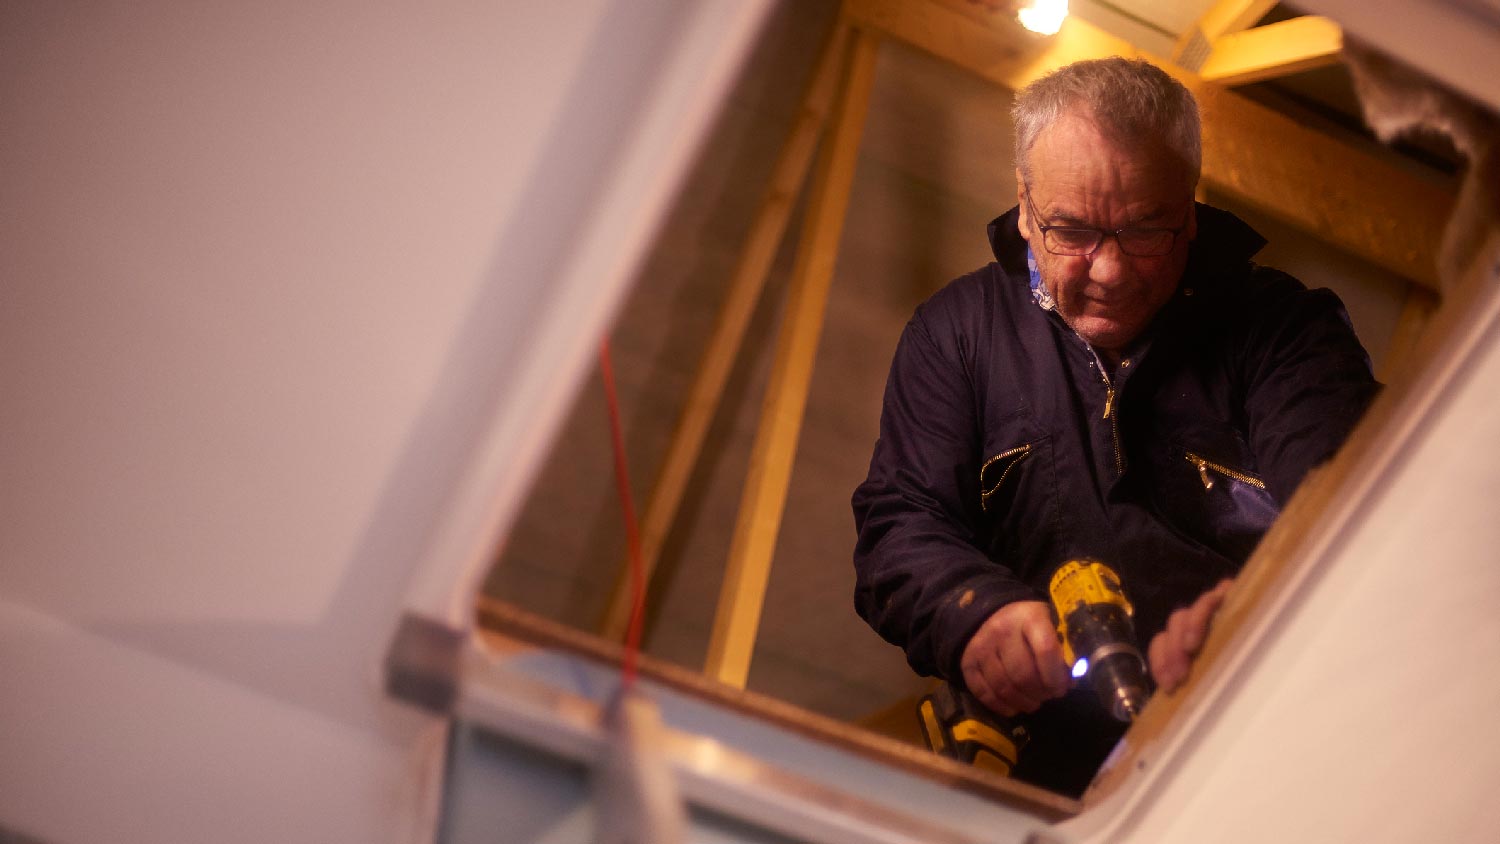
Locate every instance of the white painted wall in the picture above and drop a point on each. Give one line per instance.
(291, 297)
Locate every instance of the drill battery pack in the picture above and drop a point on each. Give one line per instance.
(955, 724)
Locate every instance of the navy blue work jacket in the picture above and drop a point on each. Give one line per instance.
(1004, 451)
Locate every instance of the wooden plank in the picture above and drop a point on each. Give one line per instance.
(1225, 18)
(724, 344)
(509, 630)
(1228, 16)
(1274, 50)
(1410, 325)
(749, 566)
(1339, 193)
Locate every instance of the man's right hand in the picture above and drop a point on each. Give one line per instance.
(1014, 661)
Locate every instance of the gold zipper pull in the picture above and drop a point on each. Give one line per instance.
(1203, 473)
(1109, 400)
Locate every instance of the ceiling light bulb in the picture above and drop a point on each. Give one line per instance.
(1043, 16)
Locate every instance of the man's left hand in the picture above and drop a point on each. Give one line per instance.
(1172, 651)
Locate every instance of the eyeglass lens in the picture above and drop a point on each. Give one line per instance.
(1083, 241)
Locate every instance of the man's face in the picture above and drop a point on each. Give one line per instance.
(1080, 177)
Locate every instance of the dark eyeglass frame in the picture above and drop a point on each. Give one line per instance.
(1123, 236)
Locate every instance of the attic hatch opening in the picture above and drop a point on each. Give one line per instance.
(792, 669)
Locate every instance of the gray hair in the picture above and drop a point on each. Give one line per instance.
(1131, 100)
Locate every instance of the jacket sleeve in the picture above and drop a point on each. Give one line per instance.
(921, 580)
(1307, 381)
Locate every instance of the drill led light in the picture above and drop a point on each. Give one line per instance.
(1081, 667)
(1043, 16)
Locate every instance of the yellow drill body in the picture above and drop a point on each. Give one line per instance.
(1094, 623)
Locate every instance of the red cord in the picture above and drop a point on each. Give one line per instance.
(632, 538)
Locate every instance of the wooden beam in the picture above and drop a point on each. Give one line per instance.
(1415, 314)
(1225, 18)
(744, 290)
(749, 567)
(1273, 50)
(1340, 193)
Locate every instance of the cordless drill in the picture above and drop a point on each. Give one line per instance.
(1098, 638)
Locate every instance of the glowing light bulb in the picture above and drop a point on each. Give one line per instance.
(1081, 667)
(1043, 16)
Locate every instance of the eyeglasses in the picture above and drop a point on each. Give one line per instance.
(1141, 242)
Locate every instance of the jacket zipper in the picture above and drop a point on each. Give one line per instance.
(1020, 453)
(1109, 407)
(1204, 465)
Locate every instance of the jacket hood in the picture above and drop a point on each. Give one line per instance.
(1223, 240)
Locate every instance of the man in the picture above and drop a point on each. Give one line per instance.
(1122, 384)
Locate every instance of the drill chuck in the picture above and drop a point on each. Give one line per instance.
(1118, 675)
(1094, 621)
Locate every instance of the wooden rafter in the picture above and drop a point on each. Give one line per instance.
(1416, 313)
(1227, 16)
(1224, 18)
(1274, 50)
(1338, 192)
(742, 294)
(763, 502)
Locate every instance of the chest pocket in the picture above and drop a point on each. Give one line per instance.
(1018, 496)
(1208, 491)
(996, 471)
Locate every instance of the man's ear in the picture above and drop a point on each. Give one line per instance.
(1023, 222)
(1192, 222)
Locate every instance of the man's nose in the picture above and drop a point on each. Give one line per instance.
(1107, 264)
